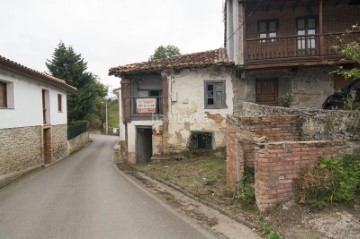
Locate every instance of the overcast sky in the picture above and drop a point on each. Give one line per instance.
(107, 33)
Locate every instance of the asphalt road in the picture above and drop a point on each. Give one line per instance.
(84, 196)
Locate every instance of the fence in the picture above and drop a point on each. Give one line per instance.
(75, 130)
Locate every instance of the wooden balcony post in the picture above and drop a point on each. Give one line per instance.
(321, 33)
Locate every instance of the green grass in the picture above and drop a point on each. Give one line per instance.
(113, 114)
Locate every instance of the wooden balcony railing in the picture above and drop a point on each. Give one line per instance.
(294, 46)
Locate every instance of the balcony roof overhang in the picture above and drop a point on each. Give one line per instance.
(293, 5)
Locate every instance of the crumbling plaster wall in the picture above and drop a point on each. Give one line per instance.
(187, 110)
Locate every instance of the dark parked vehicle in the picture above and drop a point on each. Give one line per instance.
(338, 99)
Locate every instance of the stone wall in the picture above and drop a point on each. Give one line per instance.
(316, 124)
(59, 141)
(278, 164)
(20, 148)
(78, 142)
(309, 86)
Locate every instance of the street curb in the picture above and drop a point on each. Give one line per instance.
(11, 177)
(190, 195)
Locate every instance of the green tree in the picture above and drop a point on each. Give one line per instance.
(71, 67)
(165, 52)
(350, 49)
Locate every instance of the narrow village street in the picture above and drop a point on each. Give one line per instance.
(84, 196)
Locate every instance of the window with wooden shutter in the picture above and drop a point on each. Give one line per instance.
(3, 95)
(214, 94)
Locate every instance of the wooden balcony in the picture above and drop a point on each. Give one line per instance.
(292, 50)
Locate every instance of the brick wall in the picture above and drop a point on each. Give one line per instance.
(271, 144)
(278, 164)
(275, 128)
(20, 148)
(243, 132)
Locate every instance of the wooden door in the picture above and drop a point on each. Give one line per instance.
(266, 91)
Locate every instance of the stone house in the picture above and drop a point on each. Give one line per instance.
(281, 46)
(33, 118)
(169, 105)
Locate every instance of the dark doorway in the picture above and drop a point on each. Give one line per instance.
(47, 146)
(143, 144)
(266, 91)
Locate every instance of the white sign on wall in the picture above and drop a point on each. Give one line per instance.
(146, 105)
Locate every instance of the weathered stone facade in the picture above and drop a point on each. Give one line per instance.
(20, 148)
(308, 86)
(316, 124)
(59, 141)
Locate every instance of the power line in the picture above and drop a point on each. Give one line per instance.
(247, 17)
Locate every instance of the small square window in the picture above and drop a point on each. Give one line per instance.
(201, 140)
(214, 94)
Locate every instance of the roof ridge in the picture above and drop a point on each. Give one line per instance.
(196, 59)
(46, 75)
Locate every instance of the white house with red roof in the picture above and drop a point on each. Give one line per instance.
(175, 104)
(33, 117)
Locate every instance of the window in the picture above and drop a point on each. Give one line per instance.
(215, 94)
(306, 28)
(3, 95)
(268, 29)
(59, 102)
(201, 140)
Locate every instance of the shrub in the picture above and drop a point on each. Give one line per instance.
(285, 100)
(246, 196)
(331, 180)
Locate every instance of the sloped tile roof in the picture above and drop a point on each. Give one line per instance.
(199, 59)
(41, 76)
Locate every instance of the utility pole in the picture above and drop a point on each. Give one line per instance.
(106, 119)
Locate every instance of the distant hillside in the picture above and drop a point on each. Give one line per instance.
(113, 113)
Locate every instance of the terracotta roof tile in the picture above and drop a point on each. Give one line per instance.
(42, 76)
(199, 59)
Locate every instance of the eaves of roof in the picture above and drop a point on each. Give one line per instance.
(194, 60)
(20, 69)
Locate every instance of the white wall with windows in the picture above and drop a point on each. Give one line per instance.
(24, 104)
(200, 100)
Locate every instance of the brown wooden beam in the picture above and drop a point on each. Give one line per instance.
(282, 5)
(268, 6)
(295, 5)
(337, 2)
(322, 42)
(309, 5)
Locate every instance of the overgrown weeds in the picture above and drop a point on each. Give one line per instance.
(246, 196)
(332, 180)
